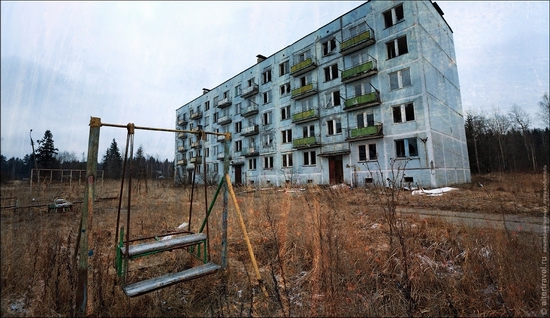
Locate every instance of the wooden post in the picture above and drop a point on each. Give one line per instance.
(84, 289)
(225, 200)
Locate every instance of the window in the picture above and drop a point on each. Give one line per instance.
(397, 47)
(365, 120)
(393, 16)
(215, 168)
(267, 97)
(266, 118)
(285, 112)
(238, 90)
(285, 89)
(329, 47)
(287, 160)
(367, 152)
(334, 127)
(206, 121)
(287, 136)
(207, 152)
(333, 99)
(284, 68)
(406, 148)
(251, 82)
(238, 126)
(216, 101)
(225, 94)
(308, 131)
(216, 117)
(358, 29)
(361, 88)
(266, 76)
(309, 158)
(207, 105)
(267, 139)
(401, 112)
(400, 79)
(303, 56)
(304, 81)
(252, 164)
(331, 72)
(238, 145)
(359, 58)
(268, 162)
(238, 109)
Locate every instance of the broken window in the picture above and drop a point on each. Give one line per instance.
(287, 160)
(284, 68)
(329, 46)
(266, 76)
(287, 135)
(406, 148)
(397, 47)
(285, 112)
(367, 152)
(331, 72)
(401, 112)
(310, 158)
(393, 16)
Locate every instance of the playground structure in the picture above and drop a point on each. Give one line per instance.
(129, 248)
(48, 176)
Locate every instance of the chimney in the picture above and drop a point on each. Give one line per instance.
(205, 90)
(260, 58)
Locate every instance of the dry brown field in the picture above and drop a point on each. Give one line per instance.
(320, 251)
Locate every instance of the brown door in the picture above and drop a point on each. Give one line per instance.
(238, 177)
(335, 169)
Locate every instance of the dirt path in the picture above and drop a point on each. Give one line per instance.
(519, 223)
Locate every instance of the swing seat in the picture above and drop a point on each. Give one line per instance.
(149, 285)
(137, 250)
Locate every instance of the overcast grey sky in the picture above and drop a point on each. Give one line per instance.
(63, 62)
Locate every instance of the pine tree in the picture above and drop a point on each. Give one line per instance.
(46, 152)
(112, 162)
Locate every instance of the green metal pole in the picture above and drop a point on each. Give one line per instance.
(83, 291)
(225, 200)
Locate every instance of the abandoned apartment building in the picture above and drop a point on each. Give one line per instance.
(378, 84)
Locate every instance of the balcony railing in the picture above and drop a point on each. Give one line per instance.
(182, 149)
(250, 110)
(368, 132)
(304, 91)
(196, 115)
(357, 42)
(249, 91)
(251, 151)
(302, 67)
(224, 102)
(224, 120)
(363, 101)
(307, 142)
(196, 160)
(182, 121)
(221, 138)
(195, 144)
(359, 71)
(182, 162)
(220, 156)
(305, 116)
(250, 130)
(182, 135)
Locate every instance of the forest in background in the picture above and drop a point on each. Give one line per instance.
(497, 142)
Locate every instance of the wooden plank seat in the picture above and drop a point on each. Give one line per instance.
(163, 245)
(152, 284)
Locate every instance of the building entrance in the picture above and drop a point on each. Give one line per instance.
(335, 169)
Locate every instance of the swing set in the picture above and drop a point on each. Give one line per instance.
(196, 243)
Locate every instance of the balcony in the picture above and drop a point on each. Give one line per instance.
(182, 135)
(369, 132)
(363, 101)
(304, 91)
(359, 71)
(357, 42)
(224, 102)
(305, 116)
(224, 120)
(250, 110)
(220, 156)
(221, 137)
(250, 152)
(303, 67)
(182, 149)
(182, 121)
(182, 162)
(250, 130)
(196, 144)
(307, 142)
(196, 115)
(249, 91)
(196, 160)
(335, 149)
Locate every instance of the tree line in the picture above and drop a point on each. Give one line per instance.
(47, 156)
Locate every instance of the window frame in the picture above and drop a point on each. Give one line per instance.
(334, 127)
(394, 17)
(286, 136)
(406, 145)
(287, 160)
(331, 72)
(402, 81)
(310, 158)
(397, 47)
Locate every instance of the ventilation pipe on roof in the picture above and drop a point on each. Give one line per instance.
(205, 90)
(260, 58)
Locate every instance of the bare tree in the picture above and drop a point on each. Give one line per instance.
(544, 110)
(500, 125)
(476, 125)
(521, 120)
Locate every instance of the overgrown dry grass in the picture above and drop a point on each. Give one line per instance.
(321, 252)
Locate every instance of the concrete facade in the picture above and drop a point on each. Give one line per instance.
(377, 84)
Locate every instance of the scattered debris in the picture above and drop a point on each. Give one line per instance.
(433, 192)
(60, 205)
